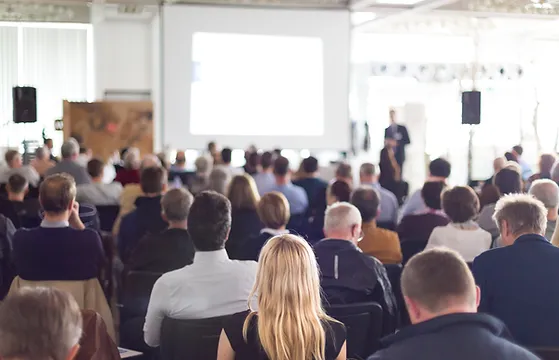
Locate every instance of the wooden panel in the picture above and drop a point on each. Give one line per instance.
(108, 126)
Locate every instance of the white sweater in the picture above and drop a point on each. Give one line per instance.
(468, 243)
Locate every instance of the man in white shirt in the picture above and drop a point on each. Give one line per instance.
(213, 285)
(15, 166)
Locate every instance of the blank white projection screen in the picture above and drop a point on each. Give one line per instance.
(273, 78)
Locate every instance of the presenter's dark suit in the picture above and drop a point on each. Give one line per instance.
(400, 134)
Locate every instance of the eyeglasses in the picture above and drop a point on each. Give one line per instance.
(361, 236)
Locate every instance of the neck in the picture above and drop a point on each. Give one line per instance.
(456, 309)
(151, 195)
(16, 197)
(267, 171)
(367, 180)
(282, 180)
(98, 179)
(552, 214)
(432, 178)
(57, 217)
(177, 224)
(340, 235)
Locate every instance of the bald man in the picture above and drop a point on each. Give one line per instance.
(498, 164)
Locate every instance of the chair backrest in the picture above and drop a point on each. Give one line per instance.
(363, 322)
(388, 225)
(190, 339)
(546, 353)
(136, 291)
(107, 216)
(394, 272)
(410, 248)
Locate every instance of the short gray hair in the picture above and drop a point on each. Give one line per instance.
(555, 171)
(132, 158)
(150, 160)
(40, 153)
(39, 323)
(219, 180)
(523, 214)
(203, 164)
(546, 191)
(341, 216)
(176, 203)
(69, 148)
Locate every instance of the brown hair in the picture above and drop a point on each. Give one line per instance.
(57, 193)
(242, 193)
(437, 279)
(95, 167)
(152, 179)
(460, 204)
(273, 210)
(17, 184)
(10, 155)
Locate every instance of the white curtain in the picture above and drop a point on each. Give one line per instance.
(54, 60)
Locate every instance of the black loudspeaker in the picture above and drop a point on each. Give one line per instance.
(471, 107)
(25, 104)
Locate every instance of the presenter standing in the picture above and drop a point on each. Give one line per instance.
(400, 134)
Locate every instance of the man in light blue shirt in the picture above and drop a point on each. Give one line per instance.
(526, 169)
(439, 170)
(265, 179)
(388, 201)
(296, 195)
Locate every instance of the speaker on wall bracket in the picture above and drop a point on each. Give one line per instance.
(471, 107)
(25, 104)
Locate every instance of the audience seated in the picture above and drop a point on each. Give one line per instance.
(463, 234)
(526, 170)
(265, 179)
(381, 243)
(252, 162)
(439, 170)
(49, 145)
(418, 227)
(441, 298)
(547, 192)
(518, 281)
(130, 173)
(199, 182)
(344, 172)
(146, 218)
(347, 274)
(338, 191)
(313, 185)
(15, 166)
(388, 201)
(546, 165)
(42, 161)
(180, 162)
(508, 181)
(61, 248)
(296, 196)
(172, 248)
(70, 150)
(40, 323)
(245, 223)
(98, 193)
(212, 285)
(16, 207)
(226, 157)
(498, 164)
(273, 211)
(219, 180)
(290, 322)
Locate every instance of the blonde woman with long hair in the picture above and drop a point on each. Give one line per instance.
(290, 323)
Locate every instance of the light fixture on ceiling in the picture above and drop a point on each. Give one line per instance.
(35, 12)
(399, 2)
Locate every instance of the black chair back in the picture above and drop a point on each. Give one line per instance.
(410, 248)
(190, 339)
(107, 216)
(363, 322)
(388, 225)
(546, 353)
(136, 291)
(394, 272)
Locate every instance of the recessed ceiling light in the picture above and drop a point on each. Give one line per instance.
(399, 2)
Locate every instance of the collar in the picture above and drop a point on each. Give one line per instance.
(339, 243)
(369, 225)
(147, 200)
(274, 232)
(531, 237)
(54, 224)
(211, 256)
(438, 324)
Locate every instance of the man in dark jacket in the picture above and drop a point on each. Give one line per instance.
(347, 275)
(518, 281)
(442, 299)
(146, 219)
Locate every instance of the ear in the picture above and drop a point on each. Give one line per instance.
(164, 187)
(228, 232)
(164, 217)
(26, 189)
(73, 352)
(478, 296)
(71, 205)
(413, 310)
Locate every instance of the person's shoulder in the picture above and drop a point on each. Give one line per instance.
(387, 193)
(245, 266)
(387, 233)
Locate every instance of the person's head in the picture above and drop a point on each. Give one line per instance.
(203, 165)
(218, 180)
(498, 164)
(290, 313)
(508, 181)
(338, 191)
(344, 173)
(149, 160)
(555, 172)
(153, 181)
(367, 200)
(70, 149)
(163, 160)
(38, 324)
(17, 185)
(438, 282)
(460, 204)
(310, 165)
(392, 114)
(175, 206)
(546, 164)
(226, 156)
(212, 147)
(519, 214)
(57, 194)
(49, 144)
(511, 157)
(242, 192)
(131, 159)
(489, 195)
(273, 210)
(42, 153)
(95, 169)
(367, 174)
(431, 194)
(266, 160)
(253, 160)
(180, 158)
(13, 159)
(517, 151)
(440, 168)
(209, 221)
(84, 150)
(281, 168)
(343, 221)
(547, 192)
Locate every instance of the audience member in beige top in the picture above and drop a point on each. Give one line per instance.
(42, 161)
